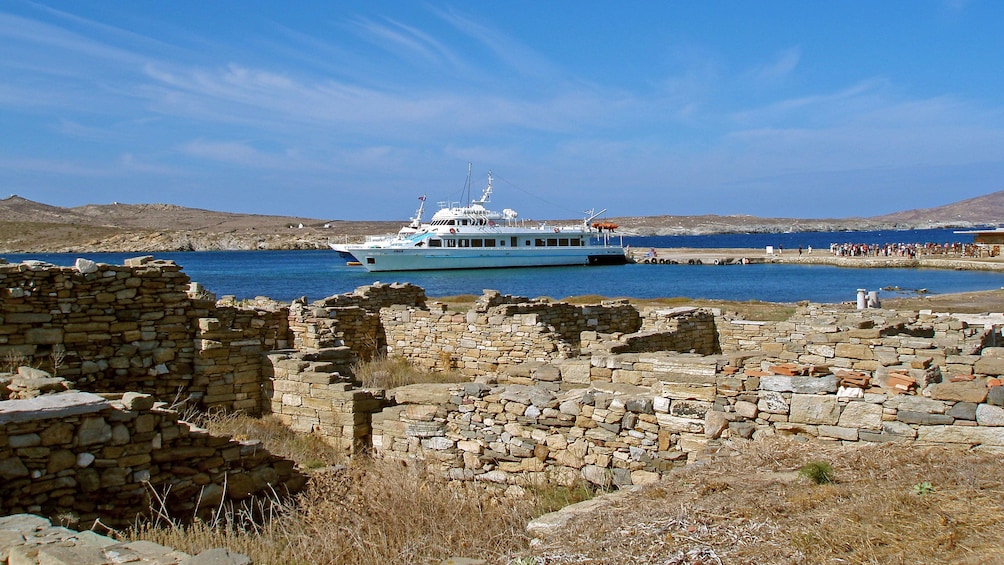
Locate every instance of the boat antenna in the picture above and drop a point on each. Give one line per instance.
(467, 185)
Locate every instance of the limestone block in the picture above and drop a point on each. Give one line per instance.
(966, 391)
(813, 409)
(988, 365)
(801, 385)
(575, 372)
(853, 351)
(973, 435)
(714, 424)
(915, 404)
(863, 415)
(746, 409)
(678, 424)
(838, 432)
(686, 391)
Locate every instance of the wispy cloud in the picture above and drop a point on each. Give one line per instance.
(778, 69)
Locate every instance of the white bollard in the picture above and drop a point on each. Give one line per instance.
(862, 301)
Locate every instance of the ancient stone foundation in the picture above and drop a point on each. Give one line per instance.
(606, 393)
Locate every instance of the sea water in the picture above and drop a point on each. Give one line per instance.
(286, 275)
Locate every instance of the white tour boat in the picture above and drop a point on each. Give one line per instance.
(474, 237)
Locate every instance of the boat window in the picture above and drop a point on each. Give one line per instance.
(451, 222)
(537, 243)
(514, 242)
(477, 243)
(552, 242)
(465, 243)
(491, 243)
(451, 243)
(563, 242)
(576, 242)
(370, 261)
(435, 243)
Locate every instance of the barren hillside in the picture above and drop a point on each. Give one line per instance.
(27, 226)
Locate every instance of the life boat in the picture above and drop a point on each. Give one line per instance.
(605, 226)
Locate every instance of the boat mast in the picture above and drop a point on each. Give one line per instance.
(416, 221)
(487, 193)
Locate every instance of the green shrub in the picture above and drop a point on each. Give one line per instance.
(819, 472)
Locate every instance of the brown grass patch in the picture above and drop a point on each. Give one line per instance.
(373, 512)
(754, 508)
(309, 451)
(392, 372)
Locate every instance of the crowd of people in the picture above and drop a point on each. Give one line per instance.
(912, 250)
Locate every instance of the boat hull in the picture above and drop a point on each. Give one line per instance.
(383, 259)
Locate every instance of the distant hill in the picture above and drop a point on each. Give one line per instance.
(982, 210)
(27, 226)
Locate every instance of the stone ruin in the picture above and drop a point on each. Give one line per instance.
(607, 393)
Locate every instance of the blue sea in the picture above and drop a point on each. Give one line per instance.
(285, 275)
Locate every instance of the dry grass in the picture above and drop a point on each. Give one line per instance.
(309, 451)
(886, 504)
(755, 508)
(751, 310)
(393, 372)
(372, 513)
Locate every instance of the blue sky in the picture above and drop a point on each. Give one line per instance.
(351, 110)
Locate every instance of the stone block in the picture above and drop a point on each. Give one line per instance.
(853, 351)
(861, 415)
(966, 391)
(924, 419)
(798, 384)
(813, 409)
(838, 432)
(988, 365)
(972, 435)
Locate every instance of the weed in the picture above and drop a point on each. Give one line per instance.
(924, 488)
(818, 472)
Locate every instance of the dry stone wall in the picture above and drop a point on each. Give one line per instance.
(91, 457)
(624, 418)
(499, 331)
(309, 395)
(230, 346)
(351, 319)
(106, 328)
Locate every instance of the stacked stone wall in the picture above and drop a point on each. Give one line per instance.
(351, 319)
(870, 340)
(89, 457)
(309, 394)
(104, 327)
(230, 346)
(619, 433)
(499, 332)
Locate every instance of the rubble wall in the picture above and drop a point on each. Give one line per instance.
(351, 319)
(310, 393)
(108, 328)
(230, 346)
(499, 332)
(621, 434)
(857, 339)
(88, 456)
(114, 328)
